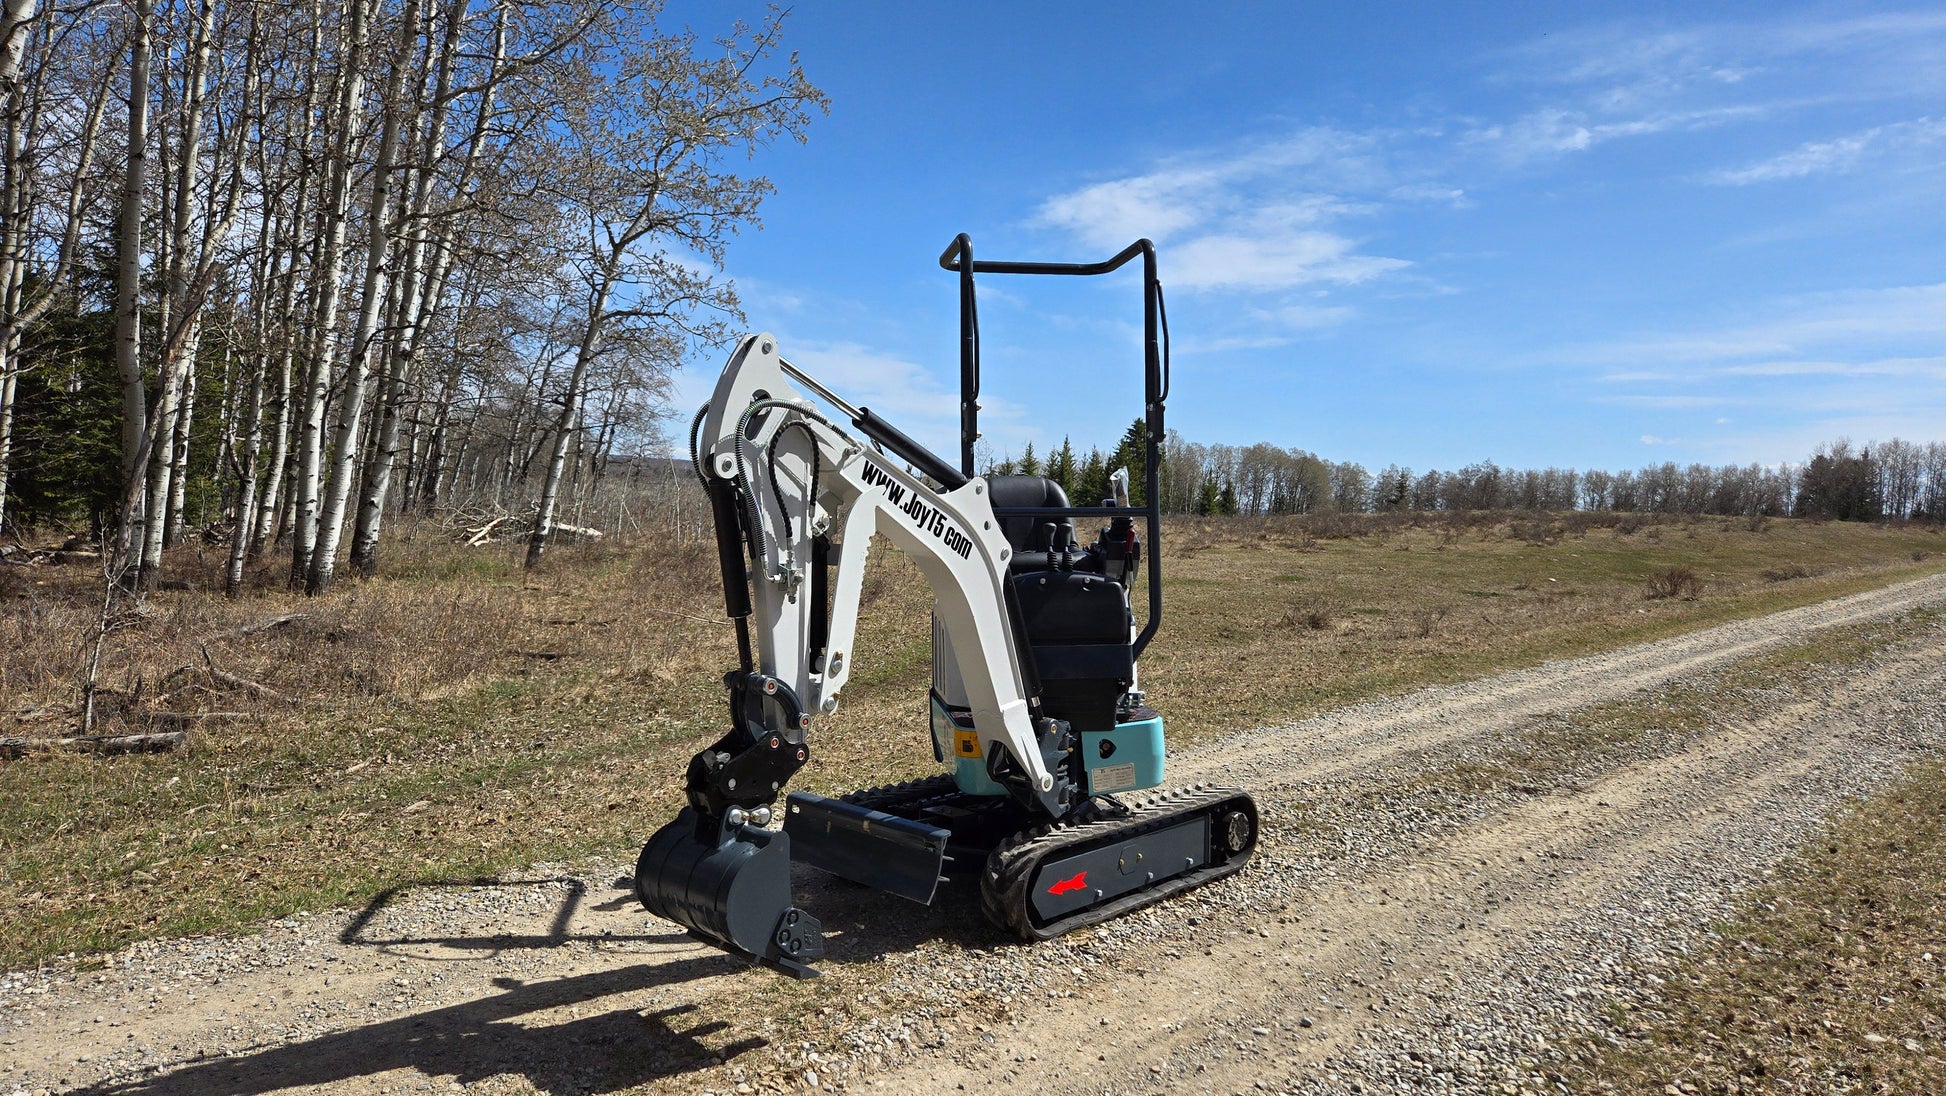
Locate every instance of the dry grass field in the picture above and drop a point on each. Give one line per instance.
(1796, 995)
(457, 716)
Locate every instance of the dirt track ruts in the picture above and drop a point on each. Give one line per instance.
(1387, 937)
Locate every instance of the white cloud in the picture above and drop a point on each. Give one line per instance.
(1633, 65)
(1306, 315)
(1638, 376)
(1934, 368)
(1108, 215)
(1258, 217)
(1557, 131)
(1870, 329)
(1667, 403)
(1274, 262)
(1799, 370)
(1840, 154)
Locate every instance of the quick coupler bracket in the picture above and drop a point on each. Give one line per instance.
(729, 884)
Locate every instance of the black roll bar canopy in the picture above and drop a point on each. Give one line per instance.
(958, 258)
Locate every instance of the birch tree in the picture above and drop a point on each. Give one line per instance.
(361, 255)
(128, 280)
(346, 120)
(322, 566)
(42, 157)
(641, 158)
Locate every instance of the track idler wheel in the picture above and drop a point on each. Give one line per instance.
(729, 884)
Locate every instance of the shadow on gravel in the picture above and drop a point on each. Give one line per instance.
(606, 1052)
(862, 924)
(359, 931)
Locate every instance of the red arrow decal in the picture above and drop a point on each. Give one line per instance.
(1074, 882)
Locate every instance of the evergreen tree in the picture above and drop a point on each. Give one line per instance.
(1209, 500)
(67, 456)
(1029, 464)
(1061, 469)
(1091, 483)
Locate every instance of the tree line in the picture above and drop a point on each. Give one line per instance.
(300, 267)
(1897, 480)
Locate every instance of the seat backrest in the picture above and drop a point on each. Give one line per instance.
(1029, 533)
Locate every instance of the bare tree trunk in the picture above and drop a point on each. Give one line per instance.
(249, 447)
(9, 384)
(435, 462)
(16, 17)
(564, 423)
(280, 450)
(162, 466)
(324, 556)
(128, 286)
(179, 455)
(317, 388)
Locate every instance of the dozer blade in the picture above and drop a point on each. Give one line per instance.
(866, 846)
(730, 885)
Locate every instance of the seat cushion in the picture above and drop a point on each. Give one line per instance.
(1029, 533)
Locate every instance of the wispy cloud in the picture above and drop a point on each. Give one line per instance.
(1555, 131)
(905, 392)
(1811, 366)
(1868, 326)
(1266, 219)
(1607, 82)
(1934, 368)
(1839, 154)
(1276, 262)
(1632, 66)
(1667, 403)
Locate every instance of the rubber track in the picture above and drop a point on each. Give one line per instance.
(909, 793)
(1010, 871)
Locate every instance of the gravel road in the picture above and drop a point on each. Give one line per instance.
(1400, 929)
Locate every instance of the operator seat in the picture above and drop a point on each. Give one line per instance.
(1032, 534)
(1077, 619)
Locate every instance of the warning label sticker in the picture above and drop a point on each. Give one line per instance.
(1113, 778)
(967, 744)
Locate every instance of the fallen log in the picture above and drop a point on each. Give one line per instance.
(96, 743)
(483, 532)
(252, 629)
(186, 718)
(235, 681)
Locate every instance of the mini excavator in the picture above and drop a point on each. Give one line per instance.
(1037, 713)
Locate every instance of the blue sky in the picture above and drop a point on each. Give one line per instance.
(1584, 235)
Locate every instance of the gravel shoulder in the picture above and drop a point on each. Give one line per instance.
(1391, 934)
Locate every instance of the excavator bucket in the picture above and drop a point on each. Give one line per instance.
(729, 884)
